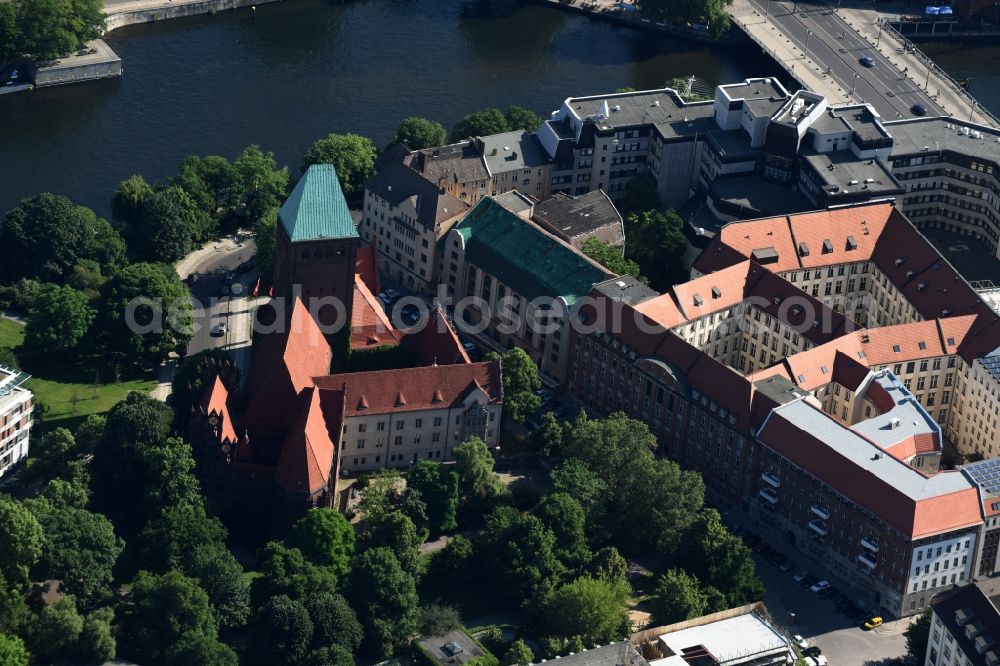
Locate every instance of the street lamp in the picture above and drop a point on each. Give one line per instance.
(767, 10)
(927, 81)
(879, 37)
(853, 85)
(809, 33)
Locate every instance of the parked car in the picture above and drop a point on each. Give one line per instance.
(867, 61)
(410, 314)
(812, 651)
(801, 642)
(786, 566)
(819, 586)
(389, 296)
(809, 581)
(873, 622)
(800, 576)
(220, 329)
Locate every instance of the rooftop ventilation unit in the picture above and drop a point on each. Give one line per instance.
(894, 423)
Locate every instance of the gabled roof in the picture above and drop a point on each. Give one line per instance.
(436, 341)
(398, 183)
(283, 364)
(426, 387)
(915, 504)
(216, 401)
(316, 208)
(366, 266)
(522, 256)
(305, 463)
(370, 326)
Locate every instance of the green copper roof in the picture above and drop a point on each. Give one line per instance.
(316, 208)
(523, 257)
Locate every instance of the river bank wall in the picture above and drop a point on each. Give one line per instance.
(133, 13)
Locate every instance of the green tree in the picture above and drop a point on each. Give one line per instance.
(99, 242)
(42, 236)
(55, 450)
(146, 312)
(611, 258)
(265, 236)
(452, 565)
(574, 478)
(89, 433)
(395, 531)
(58, 629)
(420, 133)
(379, 493)
(198, 648)
(80, 548)
(519, 118)
(591, 608)
(325, 537)
(438, 487)
(86, 276)
(657, 244)
(518, 654)
(8, 358)
(712, 12)
(286, 571)
(58, 320)
(164, 609)
(385, 598)
(129, 199)
(169, 473)
(516, 552)
(12, 650)
(352, 155)
(87, 19)
(10, 33)
(334, 622)
(73, 493)
(166, 231)
(21, 541)
(480, 123)
(221, 576)
(548, 437)
(562, 514)
(281, 632)
(520, 379)
(213, 182)
(474, 464)
(608, 564)
(330, 655)
(437, 619)
(97, 641)
(721, 560)
(45, 27)
(678, 597)
(917, 635)
(263, 184)
(640, 197)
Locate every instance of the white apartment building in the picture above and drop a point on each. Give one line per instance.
(15, 418)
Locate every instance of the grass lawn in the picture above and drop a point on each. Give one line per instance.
(71, 388)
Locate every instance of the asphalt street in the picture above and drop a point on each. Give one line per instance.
(828, 41)
(208, 279)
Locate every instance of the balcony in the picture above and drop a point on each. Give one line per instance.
(820, 511)
(771, 480)
(866, 560)
(865, 543)
(818, 526)
(769, 495)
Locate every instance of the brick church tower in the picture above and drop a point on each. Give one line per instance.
(317, 242)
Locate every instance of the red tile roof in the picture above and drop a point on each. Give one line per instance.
(954, 508)
(366, 267)
(307, 452)
(414, 389)
(370, 327)
(284, 363)
(216, 401)
(436, 342)
(913, 445)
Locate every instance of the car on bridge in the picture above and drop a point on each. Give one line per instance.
(918, 110)
(867, 61)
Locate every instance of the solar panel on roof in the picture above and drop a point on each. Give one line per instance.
(986, 473)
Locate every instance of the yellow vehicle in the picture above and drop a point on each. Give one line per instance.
(873, 622)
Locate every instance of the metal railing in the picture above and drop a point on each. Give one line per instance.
(940, 73)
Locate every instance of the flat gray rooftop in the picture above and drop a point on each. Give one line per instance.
(914, 135)
(657, 107)
(753, 192)
(578, 215)
(733, 640)
(849, 444)
(732, 143)
(913, 420)
(616, 654)
(626, 289)
(512, 151)
(847, 167)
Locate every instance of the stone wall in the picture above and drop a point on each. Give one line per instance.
(175, 9)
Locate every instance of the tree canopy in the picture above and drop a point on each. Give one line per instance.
(21, 541)
(480, 123)
(352, 155)
(325, 538)
(50, 28)
(419, 133)
(59, 318)
(591, 608)
(656, 243)
(385, 597)
(474, 465)
(520, 380)
(714, 13)
(678, 597)
(438, 488)
(611, 258)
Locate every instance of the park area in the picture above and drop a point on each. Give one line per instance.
(68, 388)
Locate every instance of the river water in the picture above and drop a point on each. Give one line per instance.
(982, 65)
(304, 68)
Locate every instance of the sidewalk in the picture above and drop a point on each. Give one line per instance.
(810, 74)
(864, 21)
(189, 264)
